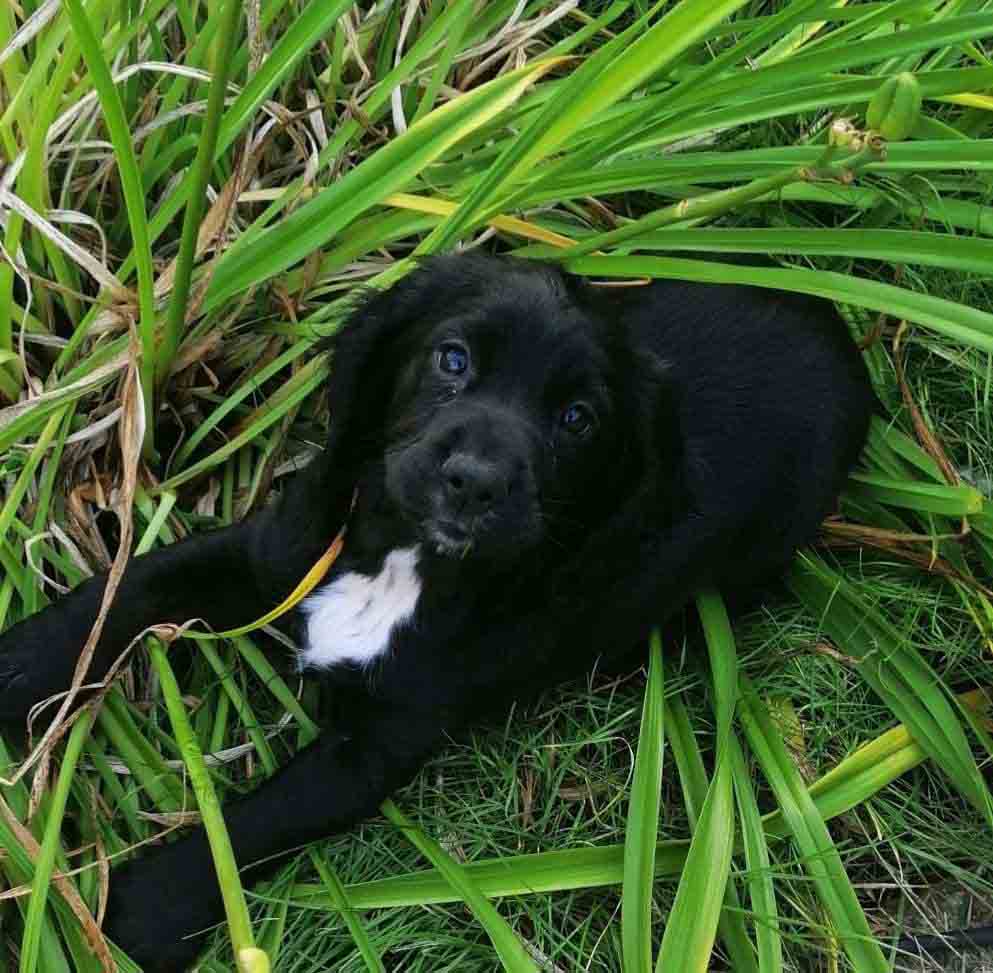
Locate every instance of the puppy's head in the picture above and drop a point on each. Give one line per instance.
(499, 401)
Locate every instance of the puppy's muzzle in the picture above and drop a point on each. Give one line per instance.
(482, 479)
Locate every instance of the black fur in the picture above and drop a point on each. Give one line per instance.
(717, 426)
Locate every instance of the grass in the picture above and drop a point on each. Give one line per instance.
(636, 137)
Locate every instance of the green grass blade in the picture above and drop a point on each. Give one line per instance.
(605, 78)
(820, 857)
(176, 312)
(692, 925)
(641, 834)
(815, 64)
(858, 777)
(239, 923)
(241, 705)
(339, 896)
(305, 29)
(768, 941)
(511, 953)
(275, 683)
(392, 167)
(896, 671)
(969, 255)
(295, 391)
(968, 325)
(694, 783)
(134, 200)
(30, 943)
(855, 779)
(949, 501)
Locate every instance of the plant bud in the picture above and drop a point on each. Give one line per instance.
(895, 107)
(841, 133)
(252, 960)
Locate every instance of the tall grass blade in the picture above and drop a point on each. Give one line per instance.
(641, 834)
(239, 923)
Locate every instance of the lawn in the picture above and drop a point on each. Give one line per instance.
(191, 192)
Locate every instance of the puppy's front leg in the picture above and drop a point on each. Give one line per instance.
(162, 901)
(228, 578)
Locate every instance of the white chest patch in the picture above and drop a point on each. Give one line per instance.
(351, 619)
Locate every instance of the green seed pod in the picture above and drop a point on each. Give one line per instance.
(895, 107)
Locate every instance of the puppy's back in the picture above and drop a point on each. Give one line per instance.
(772, 402)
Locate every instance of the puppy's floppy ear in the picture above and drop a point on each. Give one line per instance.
(649, 408)
(659, 432)
(616, 562)
(366, 356)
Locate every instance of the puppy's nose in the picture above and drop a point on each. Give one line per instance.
(472, 486)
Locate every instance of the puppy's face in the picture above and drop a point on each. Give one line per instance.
(504, 426)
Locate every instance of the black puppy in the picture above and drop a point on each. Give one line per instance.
(544, 470)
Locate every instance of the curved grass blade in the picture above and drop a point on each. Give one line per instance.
(305, 29)
(815, 64)
(693, 779)
(301, 385)
(867, 771)
(949, 501)
(18, 869)
(274, 682)
(604, 79)
(966, 254)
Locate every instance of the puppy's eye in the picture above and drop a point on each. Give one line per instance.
(453, 358)
(578, 419)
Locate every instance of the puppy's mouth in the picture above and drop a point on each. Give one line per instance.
(448, 539)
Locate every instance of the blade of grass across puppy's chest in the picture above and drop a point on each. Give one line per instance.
(310, 581)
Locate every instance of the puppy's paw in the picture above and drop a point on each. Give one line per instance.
(160, 912)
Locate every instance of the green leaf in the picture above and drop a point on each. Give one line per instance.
(202, 165)
(695, 785)
(966, 254)
(854, 780)
(768, 941)
(951, 501)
